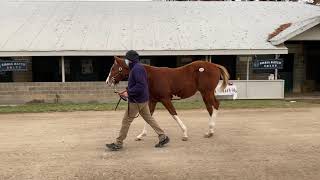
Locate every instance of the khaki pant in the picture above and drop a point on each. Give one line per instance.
(130, 115)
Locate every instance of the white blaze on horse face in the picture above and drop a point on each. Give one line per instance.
(182, 126)
(201, 69)
(108, 78)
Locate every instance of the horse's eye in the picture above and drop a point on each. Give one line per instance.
(120, 68)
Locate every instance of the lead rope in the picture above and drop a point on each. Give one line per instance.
(125, 99)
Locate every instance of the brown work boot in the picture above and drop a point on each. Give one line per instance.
(163, 139)
(114, 146)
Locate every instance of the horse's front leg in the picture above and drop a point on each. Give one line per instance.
(169, 106)
(152, 107)
(143, 133)
(182, 126)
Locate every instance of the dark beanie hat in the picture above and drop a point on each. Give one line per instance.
(132, 56)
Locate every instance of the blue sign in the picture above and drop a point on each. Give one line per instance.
(13, 66)
(267, 64)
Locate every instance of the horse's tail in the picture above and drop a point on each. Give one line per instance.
(224, 75)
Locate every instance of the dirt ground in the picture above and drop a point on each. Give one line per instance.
(262, 144)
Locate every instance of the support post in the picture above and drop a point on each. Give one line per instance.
(248, 67)
(63, 69)
(276, 70)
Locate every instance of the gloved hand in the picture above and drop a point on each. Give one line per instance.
(123, 95)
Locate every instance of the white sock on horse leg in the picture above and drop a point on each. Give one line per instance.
(143, 133)
(182, 126)
(212, 120)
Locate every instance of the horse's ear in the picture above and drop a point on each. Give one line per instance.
(116, 60)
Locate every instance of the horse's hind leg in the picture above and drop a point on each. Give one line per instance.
(169, 106)
(212, 105)
(152, 106)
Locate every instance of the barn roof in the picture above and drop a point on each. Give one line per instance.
(295, 29)
(152, 28)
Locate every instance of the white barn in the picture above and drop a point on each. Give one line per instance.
(74, 41)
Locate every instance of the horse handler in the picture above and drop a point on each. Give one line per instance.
(138, 95)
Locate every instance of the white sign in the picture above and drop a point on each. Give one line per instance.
(230, 90)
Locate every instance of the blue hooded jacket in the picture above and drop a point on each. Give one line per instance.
(138, 90)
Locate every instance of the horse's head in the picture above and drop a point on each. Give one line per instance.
(118, 72)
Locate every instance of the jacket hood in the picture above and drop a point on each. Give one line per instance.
(133, 56)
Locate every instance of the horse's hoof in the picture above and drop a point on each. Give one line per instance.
(139, 137)
(208, 135)
(184, 138)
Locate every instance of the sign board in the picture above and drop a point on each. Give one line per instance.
(13, 66)
(230, 90)
(267, 64)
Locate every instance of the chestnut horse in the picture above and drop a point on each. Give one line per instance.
(184, 82)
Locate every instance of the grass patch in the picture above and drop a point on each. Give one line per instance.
(180, 105)
(250, 104)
